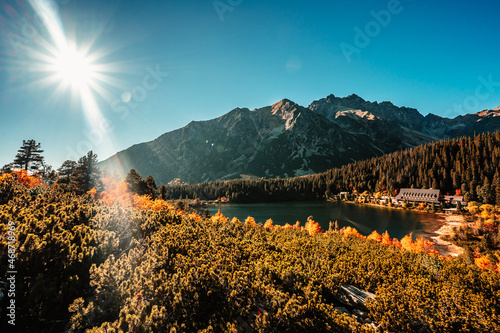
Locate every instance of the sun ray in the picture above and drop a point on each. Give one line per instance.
(51, 20)
(68, 68)
(71, 68)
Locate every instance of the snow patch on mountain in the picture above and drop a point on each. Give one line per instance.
(359, 113)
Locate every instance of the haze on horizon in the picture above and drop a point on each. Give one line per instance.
(93, 75)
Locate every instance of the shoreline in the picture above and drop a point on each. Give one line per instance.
(442, 226)
(437, 231)
(445, 247)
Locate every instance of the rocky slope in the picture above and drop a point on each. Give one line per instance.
(286, 140)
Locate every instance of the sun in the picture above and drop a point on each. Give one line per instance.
(73, 67)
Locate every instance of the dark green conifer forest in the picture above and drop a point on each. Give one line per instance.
(468, 164)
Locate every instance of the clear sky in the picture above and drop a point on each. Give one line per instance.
(77, 75)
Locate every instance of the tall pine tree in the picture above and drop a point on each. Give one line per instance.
(66, 170)
(496, 187)
(151, 186)
(29, 156)
(86, 174)
(486, 192)
(135, 183)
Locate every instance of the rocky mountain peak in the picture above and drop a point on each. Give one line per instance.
(355, 98)
(489, 113)
(386, 111)
(288, 111)
(284, 105)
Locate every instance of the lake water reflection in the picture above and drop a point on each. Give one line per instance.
(362, 217)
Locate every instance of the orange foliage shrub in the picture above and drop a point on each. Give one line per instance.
(92, 192)
(5, 176)
(117, 193)
(482, 262)
(195, 217)
(407, 242)
(250, 221)
(313, 227)
(268, 224)
(386, 239)
(348, 231)
(220, 217)
(473, 207)
(396, 242)
(425, 246)
(375, 236)
(24, 178)
(419, 245)
(142, 201)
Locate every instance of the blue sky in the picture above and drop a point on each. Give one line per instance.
(162, 64)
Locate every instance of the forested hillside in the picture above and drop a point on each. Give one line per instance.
(114, 261)
(468, 164)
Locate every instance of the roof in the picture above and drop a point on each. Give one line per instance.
(454, 198)
(422, 195)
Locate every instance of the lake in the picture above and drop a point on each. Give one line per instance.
(362, 217)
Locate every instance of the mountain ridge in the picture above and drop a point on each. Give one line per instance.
(286, 139)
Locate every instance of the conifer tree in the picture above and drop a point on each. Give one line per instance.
(163, 192)
(135, 183)
(66, 170)
(486, 193)
(150, 185)
(29, 156)
(496, 188)
(86, 174)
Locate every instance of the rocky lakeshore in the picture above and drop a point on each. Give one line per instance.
(445, 247)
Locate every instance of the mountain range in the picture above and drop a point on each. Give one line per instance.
(286, 140)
